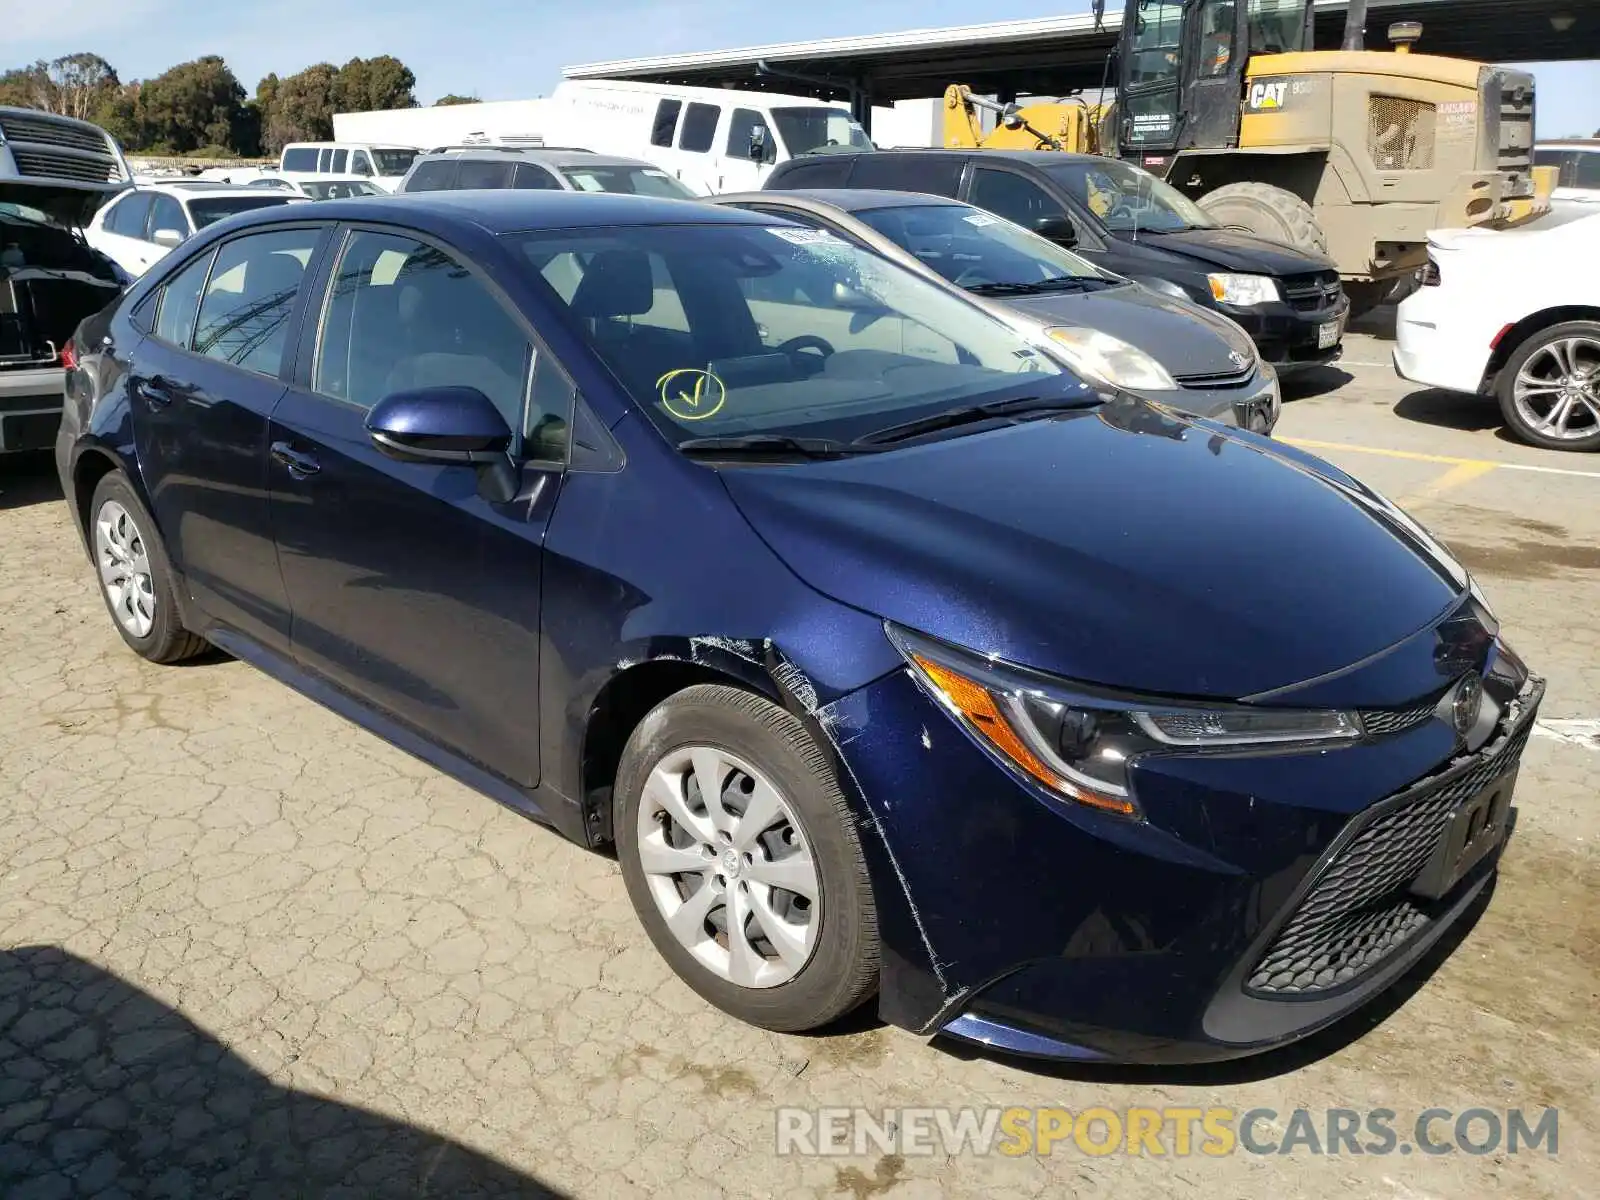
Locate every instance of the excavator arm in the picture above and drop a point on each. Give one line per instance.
(1071, 125)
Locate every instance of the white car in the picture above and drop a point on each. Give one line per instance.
(144, 223)
(1515, 315)
(324, 187)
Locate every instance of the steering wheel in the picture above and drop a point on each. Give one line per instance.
(1123, 211)
(806, 341)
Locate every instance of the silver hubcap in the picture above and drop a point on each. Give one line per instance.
(729, 867)
(1557, 392)
(124, 568)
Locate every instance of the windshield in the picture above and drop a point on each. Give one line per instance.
(211, 210)
(394, 161)
(971, 248)
(806, 129)
(633, 181)
(26, 213)
(738, 330)
(339, 189)
(1277, 26)
(1127, 199)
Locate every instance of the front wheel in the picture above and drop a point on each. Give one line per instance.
(1269, 212)
(1549, 391)
(741, 858)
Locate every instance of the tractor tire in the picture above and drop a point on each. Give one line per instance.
(1266, 211)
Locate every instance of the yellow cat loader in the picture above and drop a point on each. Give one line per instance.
(1353, 153)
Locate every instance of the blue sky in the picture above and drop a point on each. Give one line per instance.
(510, 49)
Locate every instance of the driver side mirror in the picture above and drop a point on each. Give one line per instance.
(167, 237)
(1057, 228)
(447, 426)
(758, 144)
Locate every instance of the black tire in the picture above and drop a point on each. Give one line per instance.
(1505, 385)
(1269, 212)
(167, 640)
(842, 970)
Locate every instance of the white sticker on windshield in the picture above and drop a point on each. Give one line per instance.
(981, 219)
(807, 237)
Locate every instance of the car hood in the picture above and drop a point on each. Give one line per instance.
(1182, 337)
(71, 204)
(1231, 250)
(1120, 546)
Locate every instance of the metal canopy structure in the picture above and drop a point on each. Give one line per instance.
(1056, 56)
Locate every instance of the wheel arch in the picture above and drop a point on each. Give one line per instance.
(1513, 337)
(93, 464)
(1300, 172)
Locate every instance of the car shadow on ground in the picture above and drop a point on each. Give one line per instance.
(1455, 410)
(28, 479)
(1258, 1067)
(106, 1090)
(1313, 381)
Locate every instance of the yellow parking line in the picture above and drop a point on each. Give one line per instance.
(1453, 478)
(1414, 456)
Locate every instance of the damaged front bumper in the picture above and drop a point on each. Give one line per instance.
(1017, 920)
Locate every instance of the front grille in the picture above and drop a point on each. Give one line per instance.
(45, 132)
(1217, 379)
(1359, 911)
(64, 164)
(1313, 293)
(1400, 133)
(1380, 722)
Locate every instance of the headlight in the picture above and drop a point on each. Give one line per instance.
(1080, 742)
(1244, 291)
(1111, 360)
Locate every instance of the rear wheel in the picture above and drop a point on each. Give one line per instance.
(136, 578)
(1550, 389)
(1267, 211)
(741, 858)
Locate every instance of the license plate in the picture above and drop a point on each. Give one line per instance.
(1328, 335)
(1474, 829)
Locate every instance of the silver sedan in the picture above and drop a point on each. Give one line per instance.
(1101, 325)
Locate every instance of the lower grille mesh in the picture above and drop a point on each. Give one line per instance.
(1359, 911)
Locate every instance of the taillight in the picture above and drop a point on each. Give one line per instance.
(69, 357)
(1430, 274)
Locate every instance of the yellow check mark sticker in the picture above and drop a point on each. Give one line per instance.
(692, 395)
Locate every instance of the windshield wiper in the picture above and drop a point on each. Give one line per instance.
(1002, 289)
(769, 443)
(1073, 283)
(1026, 407)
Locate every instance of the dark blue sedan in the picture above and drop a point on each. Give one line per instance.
(893, 660)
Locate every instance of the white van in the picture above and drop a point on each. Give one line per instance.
(713, 139)
(385, 166)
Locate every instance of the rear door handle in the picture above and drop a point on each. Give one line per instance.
(153, 391)
(300, 465)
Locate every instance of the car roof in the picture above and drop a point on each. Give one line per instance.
(197, 189)
(537, 154)
(509, 210)
(1036, 157)
(848, 199)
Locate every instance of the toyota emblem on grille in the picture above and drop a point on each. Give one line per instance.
(1466, 706)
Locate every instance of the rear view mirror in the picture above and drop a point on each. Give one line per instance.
(1058, 229)
(167, 237)
(447, 425)
(758, 144)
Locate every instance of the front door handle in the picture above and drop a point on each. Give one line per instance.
(300, 465)
(153, 391)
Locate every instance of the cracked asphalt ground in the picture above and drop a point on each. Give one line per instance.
(248, 949)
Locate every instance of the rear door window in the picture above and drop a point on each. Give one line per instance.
(937, 174)
(666, 122)
(341, 159)
(301, 158)
(128, 216)
(483, 173)
(699, 128)
(249, 299)
(435, 176)
(531, 177)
